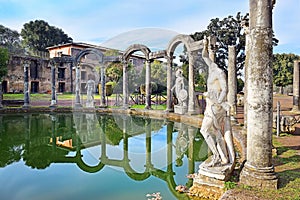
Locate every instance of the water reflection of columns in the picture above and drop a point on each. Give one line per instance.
(170, 126)
(125, 85)
(53, 85)
(27, 119)
(102, 137)
(148, 142)
(77, 117)
(191, 163)
(191, 106)
(125, 138)
(53, 131)
(103, 92)
(148, 84)
(169, 84)
(77, 87)
(26, 85)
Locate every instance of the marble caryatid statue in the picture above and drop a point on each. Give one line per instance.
(90, 86)
(180, 93)
(216, 127)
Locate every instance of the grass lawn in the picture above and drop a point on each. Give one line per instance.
(287, 167)
(21, 96)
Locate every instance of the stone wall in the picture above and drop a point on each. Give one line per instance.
(39, 72)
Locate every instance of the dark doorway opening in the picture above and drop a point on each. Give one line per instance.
(34, 87)
(61, 87)
(4, 87)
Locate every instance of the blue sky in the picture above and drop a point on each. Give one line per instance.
(95, 21)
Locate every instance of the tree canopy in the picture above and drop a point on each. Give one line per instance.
(228, 31)
(3, 62)
(38, 35)
(10, 39)
(283, 66)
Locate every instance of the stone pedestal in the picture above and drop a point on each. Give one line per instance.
(205, 192)
(209, 182)
(219, 172)
(213, 176)
(180, 109)
(259, 177)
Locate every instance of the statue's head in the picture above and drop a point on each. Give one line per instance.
(179, 72)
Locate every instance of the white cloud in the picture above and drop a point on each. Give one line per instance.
(91, 20)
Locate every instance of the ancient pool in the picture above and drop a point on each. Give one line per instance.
(93, 156)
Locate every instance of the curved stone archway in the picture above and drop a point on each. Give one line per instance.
(87, 51)
(77, 63)
(128, 52)
(192, 48)
(185, 39)
(134, 48)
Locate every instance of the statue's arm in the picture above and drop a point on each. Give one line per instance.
(223, 85)
(205, 54)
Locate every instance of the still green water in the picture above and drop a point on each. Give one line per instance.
(89, 156)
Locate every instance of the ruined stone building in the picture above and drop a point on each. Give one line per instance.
(39, 74)
(40, 70)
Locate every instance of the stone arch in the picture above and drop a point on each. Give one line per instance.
(134, 48)
(189, 43)
(100, 58)
(84, 52)
(185, 39)
(130, 50)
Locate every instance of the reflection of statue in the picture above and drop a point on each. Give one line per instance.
(216, 127)
(90, 86)
(181, 144)
(180, 92)
(90, 120)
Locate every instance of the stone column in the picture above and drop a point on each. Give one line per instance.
(103, 92)
(212, 47)
(191, 100)
(296, 87)
(259, 170)
(148, 84)
(53, 85)
(232, 81)
(26, 85)
(245, 25)
(125, 85)
(77, 87)
(169, 84)
(71, 77)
